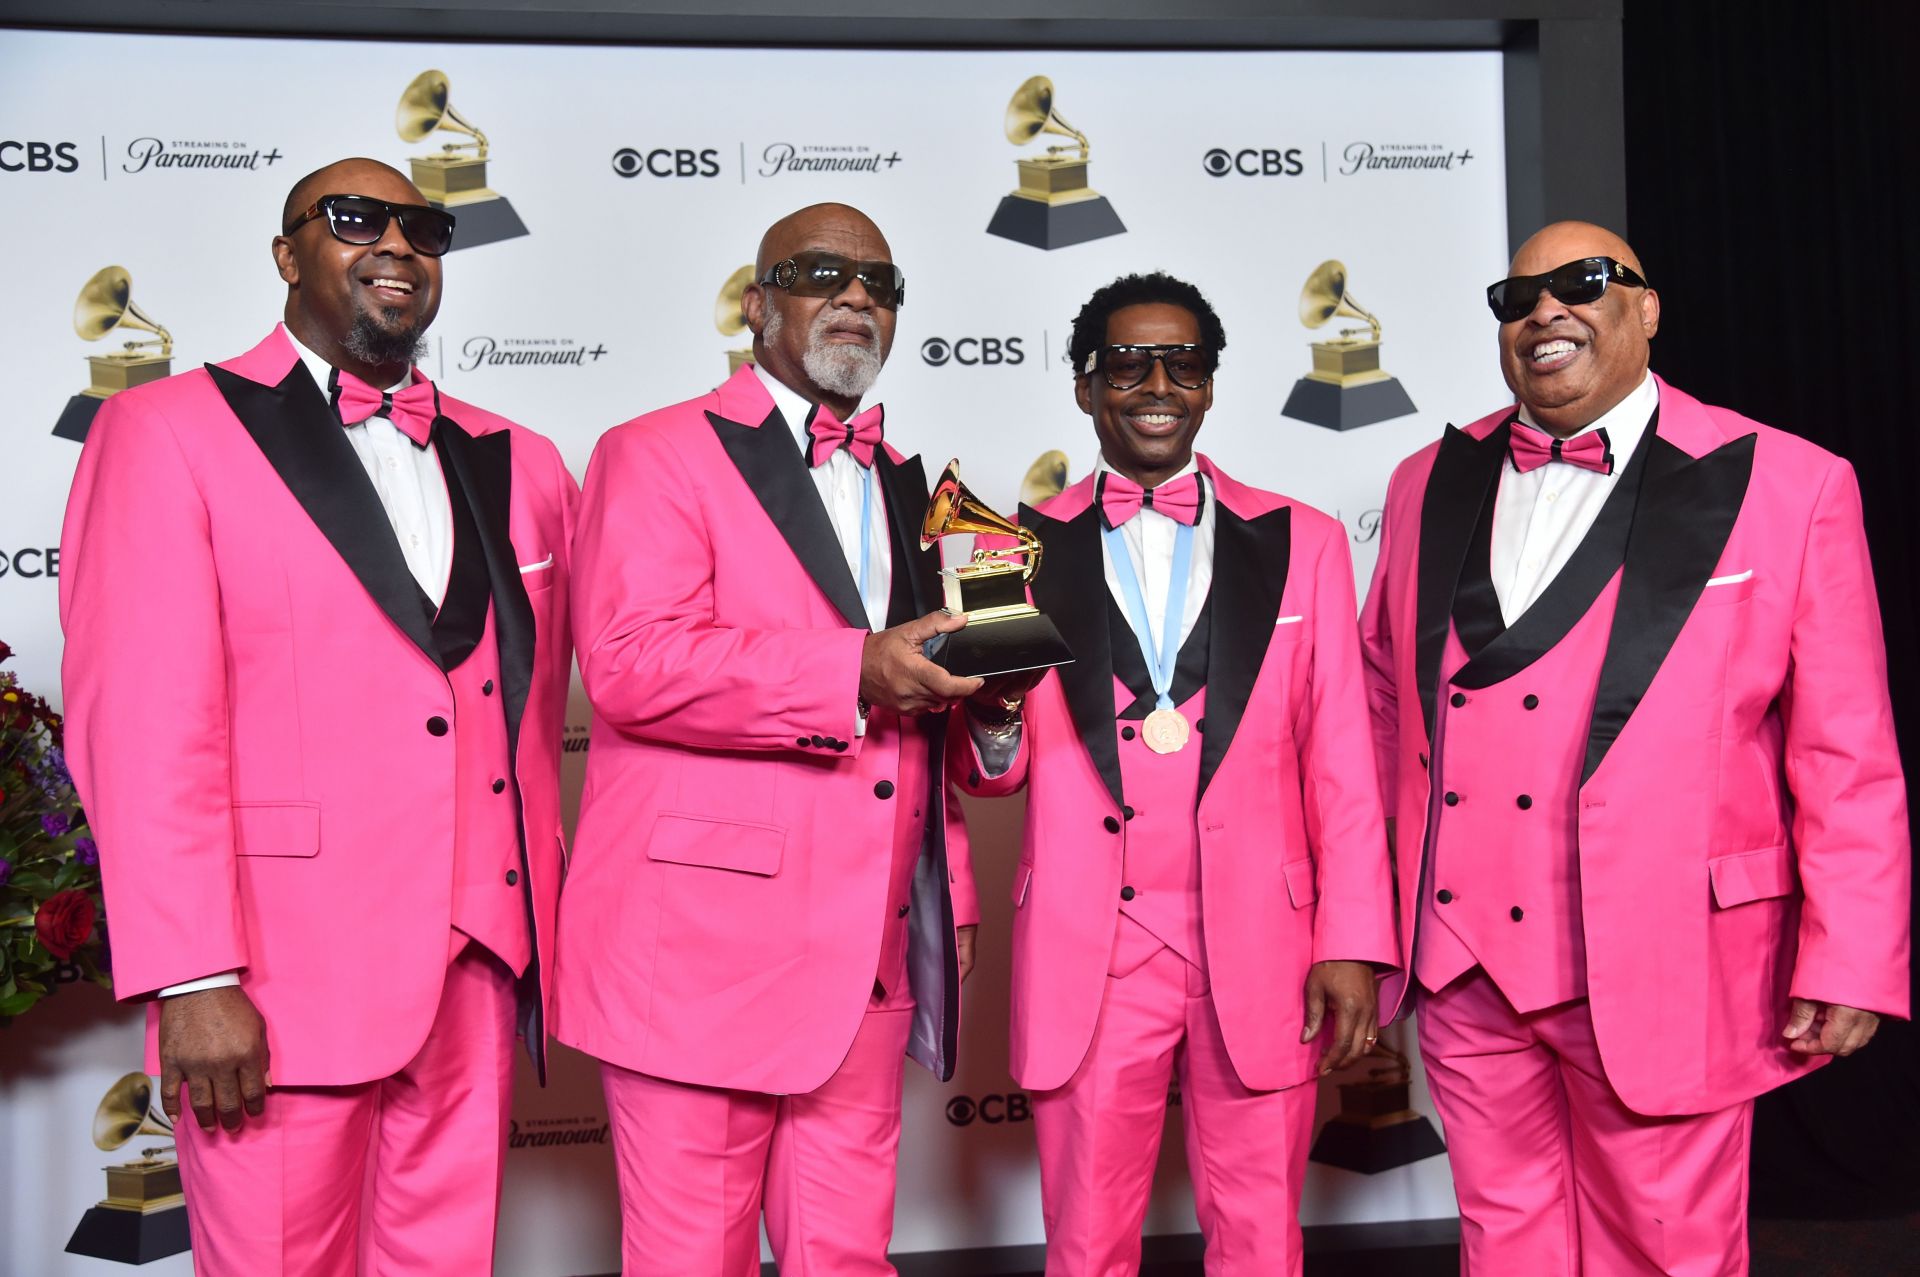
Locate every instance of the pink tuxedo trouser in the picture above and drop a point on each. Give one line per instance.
(1555, 1176)
(697, 1165)
(397, 1177)
(1099, 1135)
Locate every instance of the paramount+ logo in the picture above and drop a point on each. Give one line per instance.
(667, 161)
(973, 352)
(38, 157)
(994, 1110)
(1253, 161)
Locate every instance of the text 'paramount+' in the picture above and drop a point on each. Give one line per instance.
(520, 352)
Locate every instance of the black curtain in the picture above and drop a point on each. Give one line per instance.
(1773, 165)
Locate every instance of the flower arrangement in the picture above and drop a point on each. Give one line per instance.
(52, 928)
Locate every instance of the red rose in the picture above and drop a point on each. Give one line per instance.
(65, 922)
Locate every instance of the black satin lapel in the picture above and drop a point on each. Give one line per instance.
(1476, 604)
(1686, 513)
(304, 443)
(1567, 598)
(916, 573)
(1071, 588)
(484, 467)
(462, 617)
(770, 462)
(1461, 482)
(1130, 665)
(1250, 562)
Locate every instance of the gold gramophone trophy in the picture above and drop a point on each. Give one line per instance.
(143, 1216)
(453, 179)
(1053, 206)
(1347, 387)
(1377, 1127)
(106, 305)
(1004, 633)
(730, 320)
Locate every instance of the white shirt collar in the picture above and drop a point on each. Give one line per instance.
(1624, 423)
(322, 371)
(1192, 467)
(794, 407)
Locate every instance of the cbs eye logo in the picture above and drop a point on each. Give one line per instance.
(666, 161)
(1253, 161)
(972, 351)
(38, 157)
(994, 1110)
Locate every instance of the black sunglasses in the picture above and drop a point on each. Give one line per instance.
(1188, 367)
(361, 219)
(1577, 284)
(820, 274)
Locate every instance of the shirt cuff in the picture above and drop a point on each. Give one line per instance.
(997, 748)
(221, 981)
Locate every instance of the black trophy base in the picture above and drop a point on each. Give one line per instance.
(1347, 407)
(484, 222)
(1355, 1146)
(77, 418)
(1051, 226)
(129, 1236)
(987, 648)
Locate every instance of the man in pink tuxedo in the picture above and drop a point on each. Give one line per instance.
(770, 902)
(1203, 882)
(316, 619)
(1629, 695)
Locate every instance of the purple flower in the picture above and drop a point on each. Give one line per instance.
(55, 823)
(86, 851)
(6, 870)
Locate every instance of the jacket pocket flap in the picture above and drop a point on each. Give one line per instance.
(1751, 875)
(276, 829)
(712, 843)
(1302, 889)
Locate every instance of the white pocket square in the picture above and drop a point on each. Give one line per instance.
(535, 567)
(1735, 579)
(1289, 620)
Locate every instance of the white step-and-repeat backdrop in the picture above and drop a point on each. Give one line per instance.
(642, 179)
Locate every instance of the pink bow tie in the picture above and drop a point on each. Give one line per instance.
(412, 410)
(1531, 447)
(1121, 498)
(859, 436)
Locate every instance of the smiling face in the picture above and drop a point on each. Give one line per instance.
(1146, 432)
(1570, 364)
(362, 307)
(828, 349)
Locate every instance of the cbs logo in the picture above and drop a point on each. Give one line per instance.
(972, 351)
(1253, 162)
(31, 562)
(667, 161)
(964, 1110)
(38, 157)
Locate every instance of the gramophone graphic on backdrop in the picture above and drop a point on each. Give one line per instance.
(143, 1216)
(451, 179)
(1053, 207)
(106, 305)
(1347, 387)
(727, 316)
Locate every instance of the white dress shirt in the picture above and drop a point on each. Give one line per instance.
(1540, 517)
(839, 482)
(407, 479)
(1149, 537)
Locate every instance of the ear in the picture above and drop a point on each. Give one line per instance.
(753, 305)
(1650, 313)
(283, 260)
(1083, 392)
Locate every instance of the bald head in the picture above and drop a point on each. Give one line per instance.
(1562, 242)
(1571, 363)
(813, 227)
(358, 176)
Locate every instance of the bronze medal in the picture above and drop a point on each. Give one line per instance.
(1165, 731)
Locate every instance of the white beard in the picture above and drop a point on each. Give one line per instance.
(844, 369)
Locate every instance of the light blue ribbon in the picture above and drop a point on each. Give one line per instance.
(1160, 669)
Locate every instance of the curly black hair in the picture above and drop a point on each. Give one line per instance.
(1090, 325)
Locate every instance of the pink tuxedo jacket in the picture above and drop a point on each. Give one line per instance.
(1742, 823)
(727, 898)
(248, 689)
(1292, 852)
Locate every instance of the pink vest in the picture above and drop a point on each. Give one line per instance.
(1502, 883)
(490, 898)
(1160, 840)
